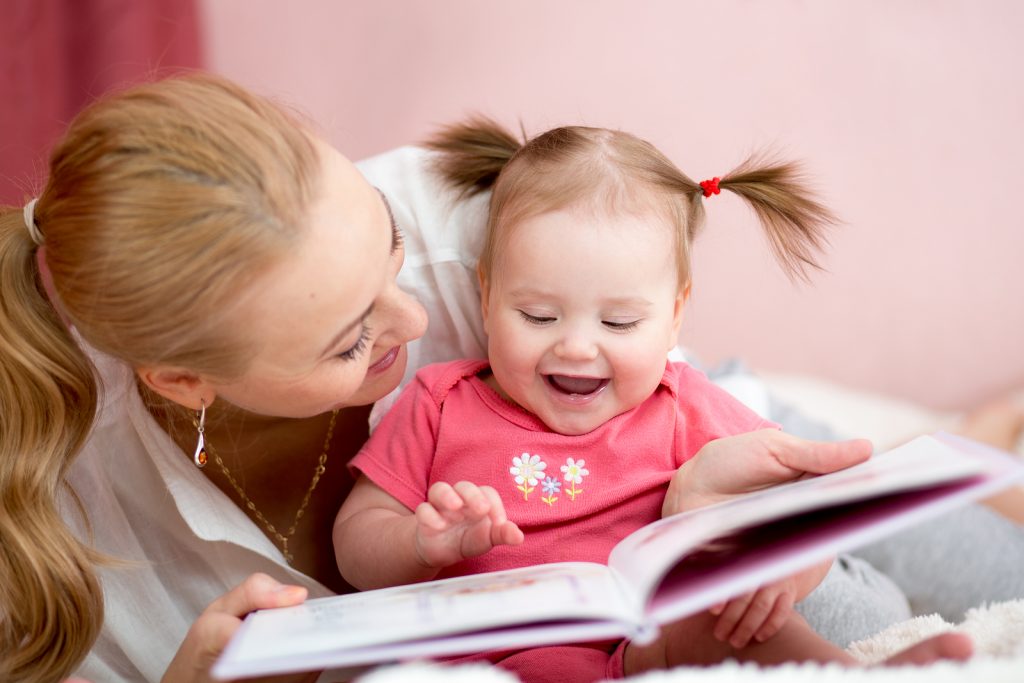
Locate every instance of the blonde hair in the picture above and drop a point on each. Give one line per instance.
(163, 202)
(614, 170)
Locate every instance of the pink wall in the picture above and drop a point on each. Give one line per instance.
(909, 115)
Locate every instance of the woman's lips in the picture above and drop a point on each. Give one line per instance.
(386, 361)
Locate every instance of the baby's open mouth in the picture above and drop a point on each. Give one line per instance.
(580, 386)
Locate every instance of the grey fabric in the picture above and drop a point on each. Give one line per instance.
(960, 560)
(963, 559)
(853, 602)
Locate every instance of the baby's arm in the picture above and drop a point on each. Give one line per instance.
(378, 542)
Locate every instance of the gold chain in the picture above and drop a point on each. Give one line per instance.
(321, 467)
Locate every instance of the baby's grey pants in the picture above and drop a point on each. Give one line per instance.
(959, 560)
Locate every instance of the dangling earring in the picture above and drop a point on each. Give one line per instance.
(200, 455)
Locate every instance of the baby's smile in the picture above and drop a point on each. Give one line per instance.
(576, 386)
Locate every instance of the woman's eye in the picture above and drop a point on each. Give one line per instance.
(536, 319)
(621, 326)
(358, 347)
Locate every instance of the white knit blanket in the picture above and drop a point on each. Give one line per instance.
(997, 631)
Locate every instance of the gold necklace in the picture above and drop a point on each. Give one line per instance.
(321, 467)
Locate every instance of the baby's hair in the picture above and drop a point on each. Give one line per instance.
(598, 168)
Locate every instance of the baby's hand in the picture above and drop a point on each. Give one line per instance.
(461, 521)
(758, 615)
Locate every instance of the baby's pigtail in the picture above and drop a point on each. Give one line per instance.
(796, 223)
(473, 153)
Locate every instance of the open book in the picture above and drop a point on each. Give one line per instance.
(664, 571)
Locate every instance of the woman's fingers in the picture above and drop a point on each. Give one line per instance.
(258, 591)
(210, 633)
(209, 636)
(742, 463)
(818, 457)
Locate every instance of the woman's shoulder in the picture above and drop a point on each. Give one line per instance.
(114, 380)
(436, 222)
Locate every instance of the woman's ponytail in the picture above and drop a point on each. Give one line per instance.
(796, 223)
(51, 604)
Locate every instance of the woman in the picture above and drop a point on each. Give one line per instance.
(219, 264)
(203, 282)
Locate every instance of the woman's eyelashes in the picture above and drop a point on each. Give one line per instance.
(396, 237)
(396, 232)
(358, 347)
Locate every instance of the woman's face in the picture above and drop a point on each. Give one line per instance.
(330, 323)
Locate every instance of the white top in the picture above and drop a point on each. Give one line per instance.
(184, 541)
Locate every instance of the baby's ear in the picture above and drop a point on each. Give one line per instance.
(485, 293)
(677, 315)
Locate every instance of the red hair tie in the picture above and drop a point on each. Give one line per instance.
(710, 187)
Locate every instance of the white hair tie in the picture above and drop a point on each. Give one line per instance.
(29, 213)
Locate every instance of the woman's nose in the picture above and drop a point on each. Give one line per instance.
(406, 319)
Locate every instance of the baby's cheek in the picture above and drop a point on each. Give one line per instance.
(637, 381)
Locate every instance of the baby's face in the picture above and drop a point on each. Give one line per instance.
(580, 313)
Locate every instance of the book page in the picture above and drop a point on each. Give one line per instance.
(645, 557)
(333, 631)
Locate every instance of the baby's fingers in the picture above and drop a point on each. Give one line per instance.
(475, 499)
(779, 615)
(503, 532)
(496, 508)
(428, 517)
(757, 612)
(731, 615)
(507, 533)
(443, 497)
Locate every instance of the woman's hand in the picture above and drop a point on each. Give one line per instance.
(213, 629)
(747, 462)
(461, 521)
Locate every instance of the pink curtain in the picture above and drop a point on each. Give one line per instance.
(57, 55)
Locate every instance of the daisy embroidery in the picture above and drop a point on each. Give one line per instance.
(573, 473)
(551, 486)
(527, 470)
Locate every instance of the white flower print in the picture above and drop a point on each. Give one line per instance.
(574, 471)
(527, 470)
